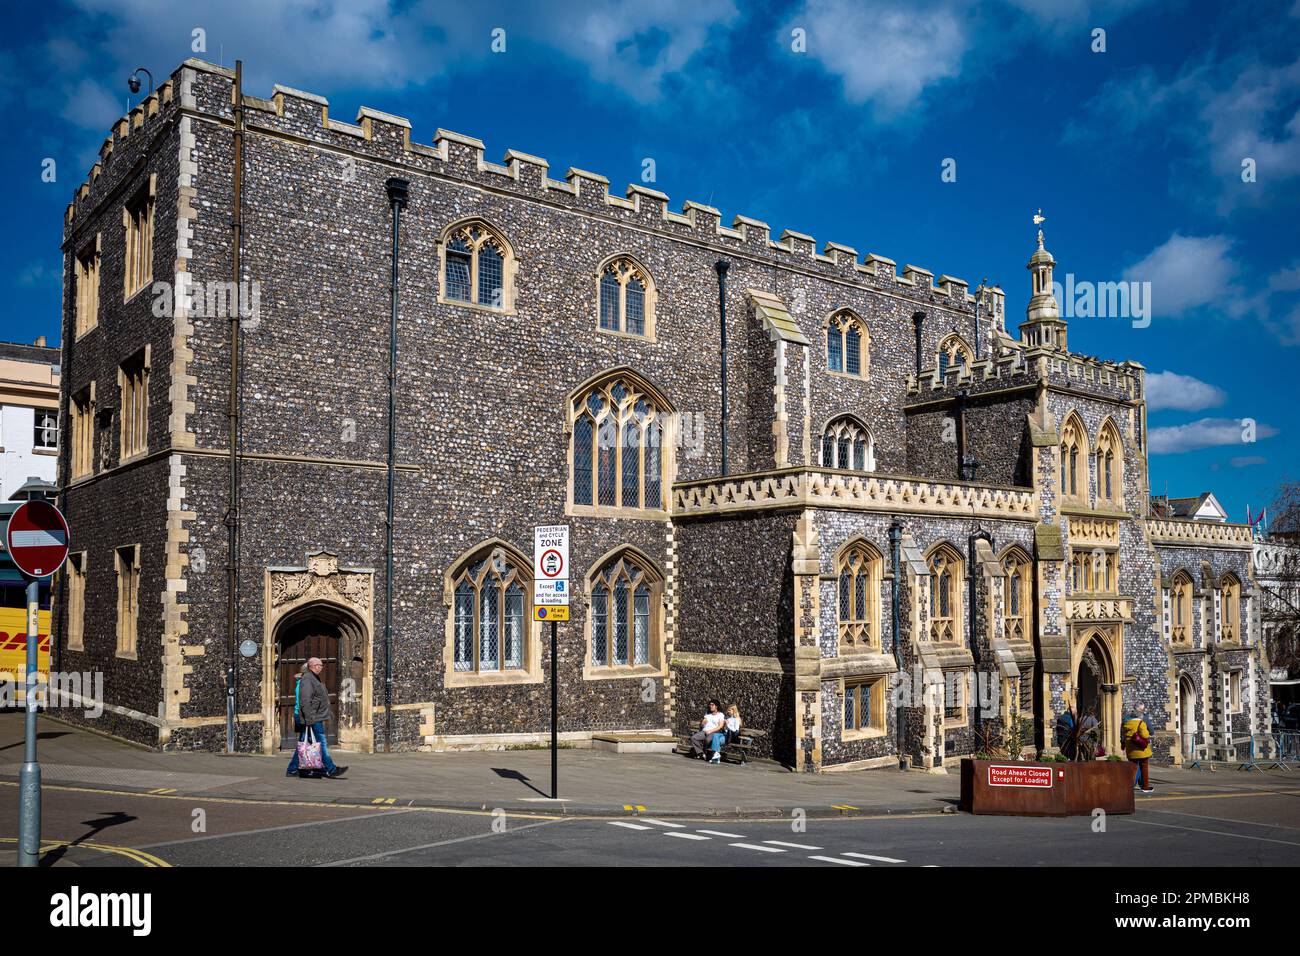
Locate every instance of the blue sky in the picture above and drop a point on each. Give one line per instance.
(1134, 154)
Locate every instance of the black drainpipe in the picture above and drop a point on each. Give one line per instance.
(397, 190)
(900, 713)
(722, 265)
(918, 320)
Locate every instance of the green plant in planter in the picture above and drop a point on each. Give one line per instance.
(1115, 758)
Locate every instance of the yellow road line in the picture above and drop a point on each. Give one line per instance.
(138, 856)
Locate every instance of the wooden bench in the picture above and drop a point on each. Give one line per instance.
(737, 751)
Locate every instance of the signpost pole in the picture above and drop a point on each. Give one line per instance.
(555, 705)
(29, 777)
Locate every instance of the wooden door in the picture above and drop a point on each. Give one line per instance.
(298, 644)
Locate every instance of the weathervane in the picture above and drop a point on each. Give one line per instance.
(1039, 218)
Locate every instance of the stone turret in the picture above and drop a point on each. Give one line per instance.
(1043, 326)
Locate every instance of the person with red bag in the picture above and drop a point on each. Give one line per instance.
(1137, 747)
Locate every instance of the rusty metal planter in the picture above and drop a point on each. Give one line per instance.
(1046, 789)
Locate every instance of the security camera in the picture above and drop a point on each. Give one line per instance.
(133, 83)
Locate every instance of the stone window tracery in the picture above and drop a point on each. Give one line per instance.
(625, 594)
(626, 298)
(847, 444)
(848, 344)
(946, 572)
(619, 460)
(477, 267)
(492, 608)
(858, 583)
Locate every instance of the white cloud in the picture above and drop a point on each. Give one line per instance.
(1181, 392)
(1247, 461)
(1187, 272)
(1204, 433)
(886, 55)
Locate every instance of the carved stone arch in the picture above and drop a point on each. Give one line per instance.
(477, 232)
(940, 559)
(492, 562)
(624, 267)
(849, 428)
(842, 325)
(337, 597)
(629, 565)
(622, 442)
(952, 347)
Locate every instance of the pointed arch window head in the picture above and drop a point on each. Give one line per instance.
(1110, 465)
(848, 344)
(478, 267)
(1180, 608)
(1230, 607)
(626, 298)
(624, 626)
(953, 353)
(621, 452)
(858, 581)
(491, 609)
(1074, 459)
(946, 573)
(847, 444)
(1017, 595)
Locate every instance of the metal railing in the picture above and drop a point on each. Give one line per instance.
(1272, 751)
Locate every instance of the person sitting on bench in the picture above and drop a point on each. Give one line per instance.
(728, 735)
(712, 723)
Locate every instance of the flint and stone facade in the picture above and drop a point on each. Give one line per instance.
(919, 454)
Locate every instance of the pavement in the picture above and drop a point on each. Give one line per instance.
(591, 782)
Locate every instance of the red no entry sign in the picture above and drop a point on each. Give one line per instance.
(37, 538)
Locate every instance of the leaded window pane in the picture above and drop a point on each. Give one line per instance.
(609, 301)
(607, 466)
(859, 455)
(635, 306)
(582, 435)
(846, 589)
(514, 630)
(828, 451)
(464, 627)
(1015, 593)
(853, 352)
(620, 622)
(860, 597)
(491, 277)
(842, 453)
(945, 583)
(488, 623)
(850, 719)
(834, 350)
(631, 465)
(943, 363)
(864, 706)
(653, 467)
(458, 260)
(642, 629)
(599, 625)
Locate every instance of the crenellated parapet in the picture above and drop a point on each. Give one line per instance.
(387, 139)
(1019, 366)
(824, 488)
(1205, 534)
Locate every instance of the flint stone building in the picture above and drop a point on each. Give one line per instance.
(882, 452)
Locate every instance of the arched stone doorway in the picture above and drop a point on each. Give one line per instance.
(320, 610)
(1187, 729)
(1096, 689)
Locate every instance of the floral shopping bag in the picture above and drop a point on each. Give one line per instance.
(309, 757)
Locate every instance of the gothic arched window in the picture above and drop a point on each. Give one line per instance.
(858, 583)
(1110, 465)
(848, 346)
(1016, 594)
(953, 352)
(1180, 608)
(491, 610)
(1230, 607)
(847, 444)
(619, 456)
(623, 629)
(1074, 459)
(945, 593)
(477, 266)
(626, 298)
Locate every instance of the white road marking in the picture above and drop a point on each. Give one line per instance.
(755, 846)
(663, 823)
(832, 859)
(687, 836)
(793, 846)
(879, 859)
(630, 826)
(731, 836)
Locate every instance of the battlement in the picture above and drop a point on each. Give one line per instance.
(1021, 366)
(387, 138)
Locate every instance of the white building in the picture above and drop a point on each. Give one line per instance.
(29, 414)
